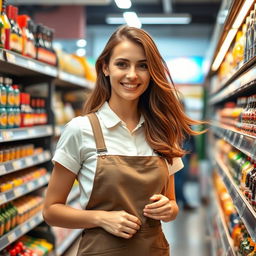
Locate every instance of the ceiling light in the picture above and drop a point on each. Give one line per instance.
(81, 52)
(123, 4)
(81, 43)
(132, 19)
(153, 19)
(231, 34)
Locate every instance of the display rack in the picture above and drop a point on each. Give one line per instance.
(20, 230)
(244, 209)
(15, 134)
(245, 80)
(23, 189)
(25, 162)
(244, 142)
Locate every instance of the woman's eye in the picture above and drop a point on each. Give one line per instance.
(143, 66)
(121, 64)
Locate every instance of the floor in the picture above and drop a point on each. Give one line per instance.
(187, 234)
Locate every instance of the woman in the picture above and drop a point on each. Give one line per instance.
(124, 153)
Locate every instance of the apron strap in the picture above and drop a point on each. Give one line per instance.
(97, 132)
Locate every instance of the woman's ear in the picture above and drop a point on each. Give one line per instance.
(105, 70)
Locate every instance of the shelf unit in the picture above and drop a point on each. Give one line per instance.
(244, 142)
(219, 221)
(240, 82)
(25, 162)
(244, 209)
(20, 230)
(30, 72)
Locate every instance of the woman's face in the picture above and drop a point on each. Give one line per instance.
(128, 72)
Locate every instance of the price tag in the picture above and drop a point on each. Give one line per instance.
(41, 157)
(29, 161)
(31, 64)
(18, 191)
(32, 223)
(49, 130)
(16, 164)
(10, 57)
(31, 131)
(240, 141)
(7, 135)
(2, 169)
(31, 186)
(12, 237)
(2, 199)
(24, 229)
(41, 181)
(47, 155)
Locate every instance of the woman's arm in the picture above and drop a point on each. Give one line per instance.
(163, 207)
(57, 213)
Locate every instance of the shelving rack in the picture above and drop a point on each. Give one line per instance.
(241, 82)
(31, 72)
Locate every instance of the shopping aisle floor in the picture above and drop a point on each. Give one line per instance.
(187, 234)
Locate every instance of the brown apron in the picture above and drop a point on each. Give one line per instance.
(125, 183)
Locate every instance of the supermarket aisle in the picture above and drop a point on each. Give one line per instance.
(186, 234)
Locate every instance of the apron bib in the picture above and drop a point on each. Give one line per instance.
(125, 183)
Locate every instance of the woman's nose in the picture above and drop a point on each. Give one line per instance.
(132, 74)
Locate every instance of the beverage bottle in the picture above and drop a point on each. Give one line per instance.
(6, 26)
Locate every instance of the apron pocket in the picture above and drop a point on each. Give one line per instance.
(97, 241)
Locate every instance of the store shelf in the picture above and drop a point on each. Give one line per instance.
(244, 82)
(15, 165)
(67, 79)
(244, 209)
(227, 242)
(7, 135)
(1, 55)
(19, 65)
(243, 142)
(24, 189)
(20, 230)
(68, 241)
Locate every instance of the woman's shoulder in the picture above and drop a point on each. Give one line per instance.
(78, 123)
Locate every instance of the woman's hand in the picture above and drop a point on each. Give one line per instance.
(162, 208)
(119, 223)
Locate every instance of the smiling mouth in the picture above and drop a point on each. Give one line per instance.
(130, 86)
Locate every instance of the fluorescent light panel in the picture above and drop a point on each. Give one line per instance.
(123, 4)
(132, 19)
(231, 34)
(153, 19)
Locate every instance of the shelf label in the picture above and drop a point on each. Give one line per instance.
(29, 161)
(7, 135)
(41, 157)
(2, 169)
(18, 191)
(12, 237)
(10, 57)
(31, 64)
(41, 181)
(32, 223)
(30, 186)
(16, 164)
(2, 199)
(24, 229)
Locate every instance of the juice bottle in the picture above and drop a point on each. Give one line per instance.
(2, 35)
(6, 27)
(3, 93)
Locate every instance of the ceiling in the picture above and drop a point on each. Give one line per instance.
(202, 11)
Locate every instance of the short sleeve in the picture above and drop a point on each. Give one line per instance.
(68, 150)
(176, 165)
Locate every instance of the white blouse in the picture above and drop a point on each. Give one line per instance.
(76, 148)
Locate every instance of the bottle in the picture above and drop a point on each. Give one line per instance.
(23, 24)
(10, 92)
(7, 26)
(247, 180)
(246, 168)
(2, 35)
(3, 118)
(3, 93)
(31, 39)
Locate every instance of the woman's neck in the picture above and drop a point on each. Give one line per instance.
(127, 111)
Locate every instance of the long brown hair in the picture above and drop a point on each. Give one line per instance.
(166, 124)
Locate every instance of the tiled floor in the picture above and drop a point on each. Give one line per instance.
(187, 234)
